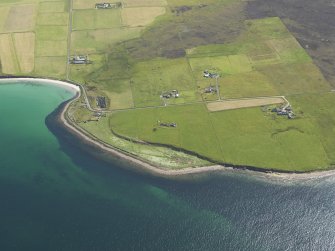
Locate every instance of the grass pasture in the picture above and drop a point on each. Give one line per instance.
(242, 137)
(52, 7)
(51, 32)
(51, 48)
(248, 84)
(295, 78)
(119, 93)
(192, 121)
(54, 67)
(267, 28)
(4, 10)
(140, 16)
(223, 65)
(96, 19)
(79, 73)
(25, 50)
(320, 108)
(58, 18)
(151, 78)
(98, 40)
(249, 138)
(120, 100)
(83, 4)
(289, 50)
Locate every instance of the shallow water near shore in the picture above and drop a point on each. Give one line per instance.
(56, 196)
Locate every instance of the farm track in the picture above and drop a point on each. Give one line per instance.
(83, 92)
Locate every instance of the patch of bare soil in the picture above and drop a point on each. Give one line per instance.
(243, 103)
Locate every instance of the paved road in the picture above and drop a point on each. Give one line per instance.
(83, 90)
(69, 39)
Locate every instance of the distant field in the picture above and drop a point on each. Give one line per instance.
(141, 16)
(20, 18)
(143, 3)
(243, 136)
(83, 4)
(295, 78)
(121, 96)
(51, 32)
(51, 66)
(191, 121)
(52, 6)
(4, 10)
(152, 78)
(9, 64)
(96, 19)
(80, 72)
(51, 48)
(92, 41)
(25, 50)
(223, 65)
(58, 18)
(248, 84)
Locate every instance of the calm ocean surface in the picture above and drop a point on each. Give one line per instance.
(54, 196)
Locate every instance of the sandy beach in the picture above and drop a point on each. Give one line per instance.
(66, 85)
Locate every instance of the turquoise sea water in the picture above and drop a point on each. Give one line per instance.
(57, 196)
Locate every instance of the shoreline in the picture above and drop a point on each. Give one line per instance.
(142, 165)
(67, 85)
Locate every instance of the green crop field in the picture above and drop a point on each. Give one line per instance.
(147, 48)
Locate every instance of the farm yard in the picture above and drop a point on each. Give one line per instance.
(154, 63)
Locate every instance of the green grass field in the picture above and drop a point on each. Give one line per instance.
(242, 137)
(151, 78)
(192, 121)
